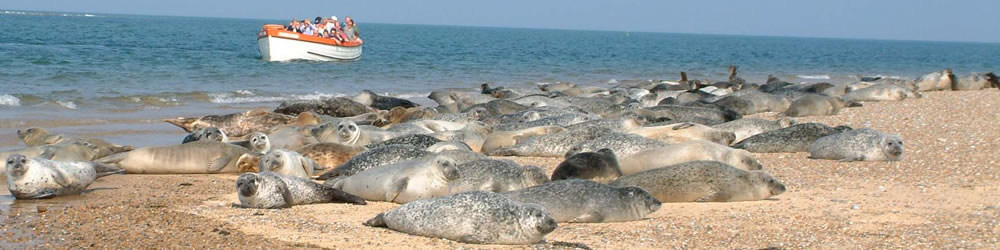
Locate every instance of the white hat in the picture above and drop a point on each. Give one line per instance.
(334, 18)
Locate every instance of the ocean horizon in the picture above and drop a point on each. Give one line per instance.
(90, 73)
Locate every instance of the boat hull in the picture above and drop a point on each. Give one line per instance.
(277, 48)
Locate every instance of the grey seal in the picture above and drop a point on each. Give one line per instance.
(287, 162)
(201, 157)
(858, 145)
(38, 178)
(336, 107)
(943, 80)
(815, 105)
(330, 154)
(273, 190)
(585, 201)
(66, 151)
(403, 181)
(550, 145)
(747, 127)
(601, 166)
(474, 217)
(795, 138)
(880, 92)
(367, 97)
(375, 157)
(39, 137)
(704, 181)
(495, 176)
(236, 124)
(695, 150)
(421, 141)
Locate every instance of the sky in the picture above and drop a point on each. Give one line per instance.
(957, 20)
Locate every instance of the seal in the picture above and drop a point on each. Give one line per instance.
(495, 176)
(329, 154)
(471, 139)
(421, 141)
(858, 145)
(290, 137)
(601, 166)
(623, 144)
(880, 92)
(585, 201)
(448, 145)
(474, 217)
(66, 151)
(500, 139)
(202, 157)
(288, 163)
(754, 102)
(686, 130)
(38, 178)
(687, 152)
(550, 145)
(678, 113)
(976, 81)
(39, 136)
(273, 190)
(462, 156)
(258, 143)
(402, 182)
(936, 81)
(209, 133)
(348, 133)
(795, 138)
(704, 181)
(815, 105)
(236, 124)
(369, 98)
(555, 87)
(747, 127)
(336, 107)
(375, 157)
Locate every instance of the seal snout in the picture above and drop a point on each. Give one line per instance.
(777, 188)
(548, 225)
(247, 185)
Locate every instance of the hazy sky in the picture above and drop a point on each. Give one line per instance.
(957, 20)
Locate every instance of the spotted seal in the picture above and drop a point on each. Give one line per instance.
(421, 141)
(287, 162)
(623, 144)
(37, 178)
(686, 130)
(795, 138)
(704, 181)
(686, 152)
(209, 133)
(336, 107)
(550, 145)
(858, 145)
(273, 190)
(815, 105)
(601, 166)
(348, 133)
(329, 154)
(500, 139)
(495, 176)
(585, 201)
(257, 142)
(473, 217)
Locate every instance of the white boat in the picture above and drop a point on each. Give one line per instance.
(278, 44)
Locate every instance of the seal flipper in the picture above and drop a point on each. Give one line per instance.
(337, 195)
(378, 221)
(105, 169)
(218, 164)
(396, 189)
(286, 195)
(329, 174)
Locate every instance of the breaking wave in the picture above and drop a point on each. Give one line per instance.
(9, 100)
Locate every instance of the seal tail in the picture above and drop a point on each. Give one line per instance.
(181, 122)
(336, 195)
(378, 221)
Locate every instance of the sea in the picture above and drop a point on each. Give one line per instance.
(117, 76)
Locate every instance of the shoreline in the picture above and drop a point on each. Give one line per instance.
(944, 193)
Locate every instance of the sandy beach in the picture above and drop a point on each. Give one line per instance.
(944, 193)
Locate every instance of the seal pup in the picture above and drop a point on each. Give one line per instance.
(815, 105)
(795, 138)
(37, 178)
(500, 139)
(258, 143)
(273, 190)
(202, 157)
(209, 133)
(495, 176)
(622, 144)
(336, 107)
(585, 201)
(601, 166)
(696, 150)
(329, 154)
(473, 217)
(375, 157)
(369, 98)
(686, 130)
(288, 163)
(236, 124)
(747, 127)
(704, 181)
(858, 145)
(880, 92)
(403, 181)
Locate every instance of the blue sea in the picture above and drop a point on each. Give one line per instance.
(117, 76)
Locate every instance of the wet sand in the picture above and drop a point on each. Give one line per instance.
(945, 193)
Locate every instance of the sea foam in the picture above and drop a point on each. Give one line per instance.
(9, 100)
(816, 77)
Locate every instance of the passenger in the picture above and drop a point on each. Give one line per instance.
(291, 25)
(351, 30)
(331, 25)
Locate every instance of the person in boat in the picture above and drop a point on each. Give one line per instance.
(291, 25)
(329, 26)
(308, 28)
(351, 30)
